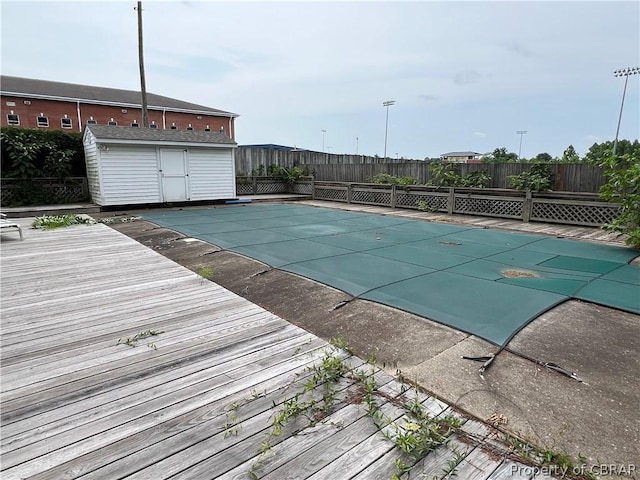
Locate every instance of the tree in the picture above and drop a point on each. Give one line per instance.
(570, 155)
(542, 158)
(600, 152)
(500, 155)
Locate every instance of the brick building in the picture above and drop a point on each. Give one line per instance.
(31, 103)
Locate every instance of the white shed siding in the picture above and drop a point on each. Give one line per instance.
(211, 174)
(129, 175)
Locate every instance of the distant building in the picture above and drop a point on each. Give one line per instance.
(32, 103)
(461, 157)
(273, 146)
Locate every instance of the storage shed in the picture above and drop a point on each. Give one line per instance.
(135, 165)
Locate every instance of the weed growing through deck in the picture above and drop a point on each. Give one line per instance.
(205, 272)
(416, 434)
(549, 457)
(132, 341)
(50, 222)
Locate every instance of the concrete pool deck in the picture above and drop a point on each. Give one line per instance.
(597, 418)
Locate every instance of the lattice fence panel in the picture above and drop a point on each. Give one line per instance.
(6, 195)
(45, 191)
(335, 194)
(436, 203)
(243, 188)
(493, 207)
(303, 188)
(371, 197)
(272, 187)
(586, 214)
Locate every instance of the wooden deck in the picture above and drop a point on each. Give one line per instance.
(194, 401)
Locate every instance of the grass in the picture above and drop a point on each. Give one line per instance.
(51, 222)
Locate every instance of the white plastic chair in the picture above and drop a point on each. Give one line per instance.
(9, 225)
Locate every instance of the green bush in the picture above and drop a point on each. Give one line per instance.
(479, 179)
(538, 179)
(444, 175)
(623, 188)
(27, 153)
(385, 178)
(447, 175)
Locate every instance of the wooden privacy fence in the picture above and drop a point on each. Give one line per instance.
(571, 177)
(554, 207)
(43, 191)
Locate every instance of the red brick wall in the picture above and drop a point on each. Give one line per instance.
(56, 110)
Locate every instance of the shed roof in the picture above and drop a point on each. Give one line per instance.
(90, 94)
(150, 135)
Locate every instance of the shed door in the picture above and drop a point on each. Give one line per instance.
(173, 168)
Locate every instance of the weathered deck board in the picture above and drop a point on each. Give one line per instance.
(75, 403)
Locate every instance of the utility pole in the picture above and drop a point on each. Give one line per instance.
(356, 145)
(387, 103)
(323, 133)
(143, 84)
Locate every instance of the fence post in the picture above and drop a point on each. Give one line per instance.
(527, 207)
(451, 201)
(313, 187)
(393, 196)
(254, 187)
(349, 192)
(85, 187)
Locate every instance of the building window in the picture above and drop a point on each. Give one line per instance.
(173, 126)
(135, 123)
(112, 122)
(13, 119)
(42, 120)
(189, 127)
(66, 122)
(91, 121)
(153, 125)
(207, 128)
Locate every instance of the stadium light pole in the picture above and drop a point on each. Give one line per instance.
(387, 103)
(521, 133)
(323, 132)
(626, 73)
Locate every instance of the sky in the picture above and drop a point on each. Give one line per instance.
(465, 76)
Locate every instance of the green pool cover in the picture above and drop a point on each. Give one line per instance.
(485, 282)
